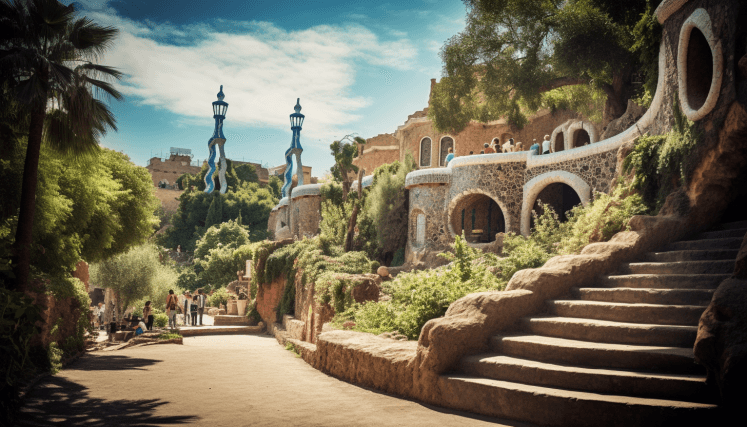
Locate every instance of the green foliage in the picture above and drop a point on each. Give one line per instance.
(169, 336)
(215, 211)
(249, 201)
(69, 287)
(423, 295)
(18, 325)
(90, 208)
(218, 298)
(662, 163)
(344, 151)
(160, 320)
(511, 52)
(275, 185)
(228, 234)
(136, 275)
(252, 313)
(584, 99)
(646, 36)
(246, 173)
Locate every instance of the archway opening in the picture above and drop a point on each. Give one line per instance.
(479, 217)
(699, 69)
(559, 142)
(581, 138)
(560, 197)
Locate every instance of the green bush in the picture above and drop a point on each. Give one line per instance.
(219, 296)
(160, 320)
(423, 295)
(169, 336)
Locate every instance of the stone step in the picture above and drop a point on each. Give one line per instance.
(705, 244)
(731, 225)
(672, 256)
(645, 296)
(661, 314)
(605, 331)
(720, 234)
(558, 407)
(664, 281)
(230, 320)
(678, 360)
(688, 388)
(679, 267)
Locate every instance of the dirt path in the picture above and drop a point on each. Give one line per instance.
(218, 381)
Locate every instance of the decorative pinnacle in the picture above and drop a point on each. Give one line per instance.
(298, 105)
(221, 95)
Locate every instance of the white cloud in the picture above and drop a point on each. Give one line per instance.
(263, 68)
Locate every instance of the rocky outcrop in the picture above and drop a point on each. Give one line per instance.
(632, 114)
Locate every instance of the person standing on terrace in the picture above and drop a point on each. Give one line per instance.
(546, 145)
(535, 148)
(488, 148)
(449, 157)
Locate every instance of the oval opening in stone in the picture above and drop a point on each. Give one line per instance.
(478, 217)
(699, 69)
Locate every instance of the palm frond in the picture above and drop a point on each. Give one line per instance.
(105, 87)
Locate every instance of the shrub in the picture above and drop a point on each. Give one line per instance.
(160, 320)
(218, 298)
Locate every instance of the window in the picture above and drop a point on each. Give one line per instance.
(425, 152)
(446, 143)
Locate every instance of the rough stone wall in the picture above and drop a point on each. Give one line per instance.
(169, 198)
(268, 298)
(170, 169)
(597, 170)
(305, 216)
(429, 200)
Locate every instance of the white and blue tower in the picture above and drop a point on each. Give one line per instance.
(296, 120)
(219, 114)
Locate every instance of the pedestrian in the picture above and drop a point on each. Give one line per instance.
(200, 304)
(187, 305)
(535, 148)
(449, 157)
(546, 145)
(172, 304)
(148, 316)
(488, 148)
(193, 310)
(102, 315)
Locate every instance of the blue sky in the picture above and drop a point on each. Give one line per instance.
(358, 66)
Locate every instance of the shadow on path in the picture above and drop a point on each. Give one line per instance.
(110, 363)
(57, 401)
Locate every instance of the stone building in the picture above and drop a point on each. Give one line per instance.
(429, 147)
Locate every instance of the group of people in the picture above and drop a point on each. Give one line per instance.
(192, 306)
(508, 147)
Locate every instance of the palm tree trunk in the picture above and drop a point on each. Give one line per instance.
(24, 236)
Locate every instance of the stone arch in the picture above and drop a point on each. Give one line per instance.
(538, 183)
(417, 228)
(454, 214)
(444, 144)
(426, 145)
(575, 133)
(559, 137)
(700, 64)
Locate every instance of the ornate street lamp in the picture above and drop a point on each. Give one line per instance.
(219, 114)
(296, 120)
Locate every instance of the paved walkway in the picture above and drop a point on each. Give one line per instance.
(218, 381)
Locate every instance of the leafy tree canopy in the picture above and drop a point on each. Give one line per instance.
(344, 151)
(513, 52)
(229, 234)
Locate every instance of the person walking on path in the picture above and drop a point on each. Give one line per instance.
(193, 309)
(148, 316)
(200, 304)
(186, 305)
(171, 306)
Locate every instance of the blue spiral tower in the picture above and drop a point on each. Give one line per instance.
(296, 120)
(219, 114)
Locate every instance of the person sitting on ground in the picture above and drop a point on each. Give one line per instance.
(449, 157)
(140, 328)
(488, 148)
(546, 145)
(535, 148)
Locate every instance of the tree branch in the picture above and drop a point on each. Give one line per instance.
(562, 81)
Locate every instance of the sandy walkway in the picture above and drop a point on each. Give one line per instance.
(218, 381)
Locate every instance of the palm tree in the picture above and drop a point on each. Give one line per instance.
(50, 56)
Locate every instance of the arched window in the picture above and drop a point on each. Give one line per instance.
(425, 152)
(446, 143)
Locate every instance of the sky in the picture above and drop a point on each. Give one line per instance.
(358, 66)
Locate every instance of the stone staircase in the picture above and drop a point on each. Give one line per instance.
(617, 354)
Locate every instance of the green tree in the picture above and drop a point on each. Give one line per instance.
(512, 52)
(344, 151)
(275, 185)
(49, 58)
(132, 275)
(227, 235)
(215, 211)
(246, 173)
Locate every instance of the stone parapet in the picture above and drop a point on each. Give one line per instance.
(306, 190)
(428, 176)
